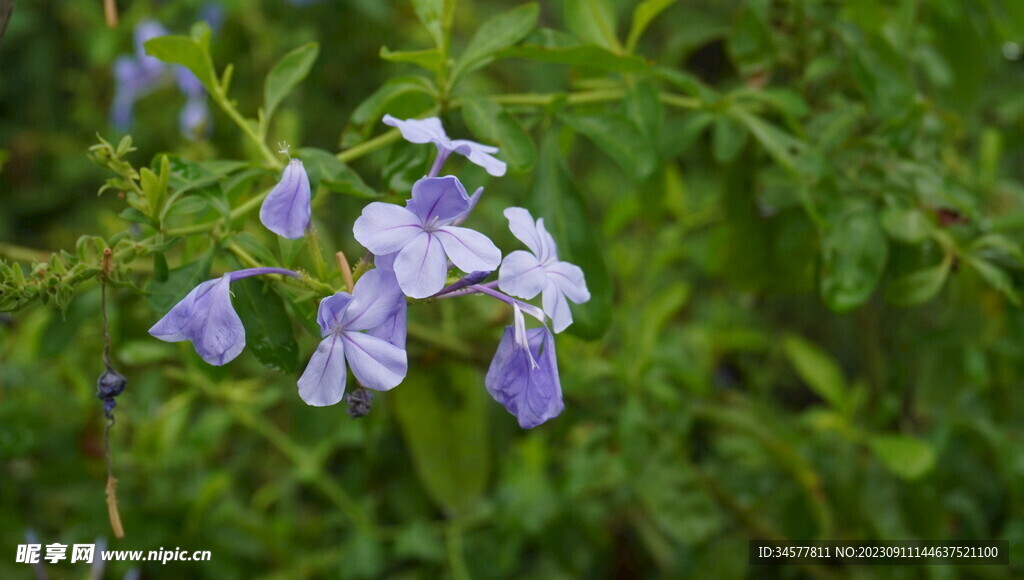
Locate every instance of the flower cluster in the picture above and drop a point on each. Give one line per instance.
(138, 75)
(414, 248)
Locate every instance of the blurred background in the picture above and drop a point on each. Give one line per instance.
(802, 224)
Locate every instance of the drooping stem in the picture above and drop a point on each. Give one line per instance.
(442, 156)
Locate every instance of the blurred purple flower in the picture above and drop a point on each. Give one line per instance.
(286, 210)
(376, 363)
(206, 318)
(422, 236)
(137, 76)
(523, 376)
(430, 131)
(525, 275)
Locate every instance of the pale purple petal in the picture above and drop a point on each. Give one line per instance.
(206, 318)
(385, 228)
(394, 329)
(188, 83)
(331, 311)
(556, 307)
(375, 299)
(522, 275)
(148, 30)
(194, 117)
(437, 200)
(420, 130)
(286, 211)
(376, 363)
(548, 249)
(570, 280)
(480, 155)
(473, 200)
(524, 228)
(323, 381)
(531, 392)
(172, 327)
(468, 249)
(218, 337)
(421, 267)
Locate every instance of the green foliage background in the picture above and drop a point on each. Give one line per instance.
(800, 219)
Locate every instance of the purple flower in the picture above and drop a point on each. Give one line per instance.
(430, 131)
(523, 376)
(286, 210)
(525, 275)
(206, 318)
(394, 329)
(376, 363)
(422, 236)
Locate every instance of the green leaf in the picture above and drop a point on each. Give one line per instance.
(727, 139)
(256, 248)
(907, 225)
(381, 101)
(907, 457)
(189, 52)
(817, 369)
(582, 55)
(490, 123)
(918, 287)
(854, 252)
(436, 16)
(443, 416)
(995, 276)
(430, 59)
(784, 148)
(268, 329)
(593, 21)
(643, 15)
(620, 139)
(286, 74)
(500, 32)
(163, 295)
(334, 175)
(556, 199)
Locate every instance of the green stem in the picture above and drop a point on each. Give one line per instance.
(456, 555)
(246, 207)
(225, 104)
(23, 254)
(313, 241)
(680, 101)
(369, 146)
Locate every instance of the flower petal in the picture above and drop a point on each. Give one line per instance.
(286, 211)
(521, 223)
(473, 200)
(323, 381)
(556, 307)
(376, 363)
(548, 249)
(385, 228)
(172, 327)
(468, 249)
(438, 200)
(214, 328)
(393, 329)
(427, 130)
(532, 393)
(480, 155)
(375, 299)
(570, 280)
(331, 311)
(421, 267)
(521, 275)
